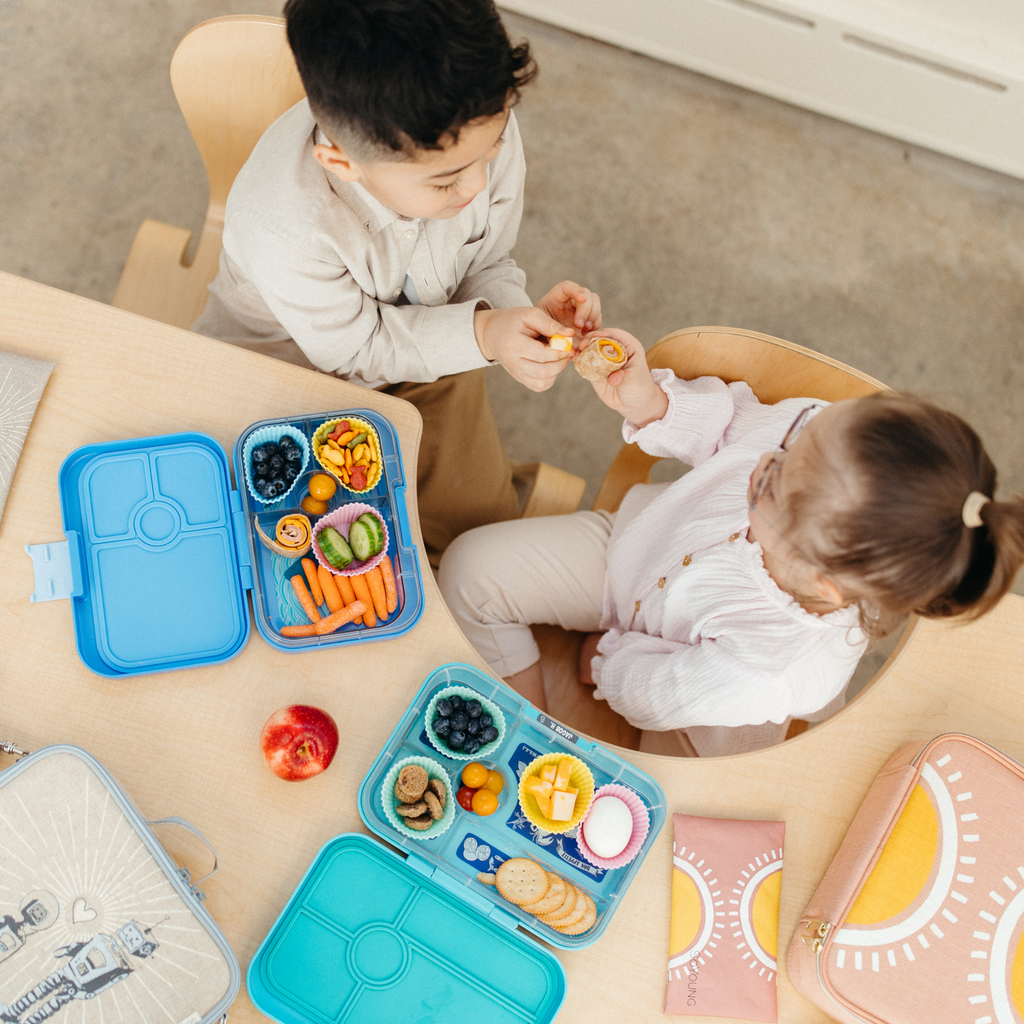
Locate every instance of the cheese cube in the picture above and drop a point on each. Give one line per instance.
(538, 787)
(562, 805)
(547, 773)
(562, 774)
(543, 804)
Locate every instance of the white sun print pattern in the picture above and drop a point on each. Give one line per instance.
(725, 899)
(21, 386)
(966, 924)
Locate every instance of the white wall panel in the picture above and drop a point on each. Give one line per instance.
(946, 74)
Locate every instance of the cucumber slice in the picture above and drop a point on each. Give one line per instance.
(373, 524)
(334, 547)
(361, 541)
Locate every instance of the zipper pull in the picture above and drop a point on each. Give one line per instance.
(816, 934)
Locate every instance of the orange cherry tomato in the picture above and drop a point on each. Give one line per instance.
(322, 487)
(474, 775)
(495, 783)
(313, 506)
(485, 802)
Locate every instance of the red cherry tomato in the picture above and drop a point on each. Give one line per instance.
(465, 798)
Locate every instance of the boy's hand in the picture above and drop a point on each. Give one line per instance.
(517, 338)
(631, 391)
(573, 306)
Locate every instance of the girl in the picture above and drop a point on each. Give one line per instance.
(744, 593)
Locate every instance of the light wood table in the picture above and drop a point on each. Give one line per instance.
(186, 743)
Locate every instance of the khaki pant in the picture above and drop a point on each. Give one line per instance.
(464, 478)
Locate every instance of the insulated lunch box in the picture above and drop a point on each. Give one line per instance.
(155, 533)
(97, 923)
(406, 932)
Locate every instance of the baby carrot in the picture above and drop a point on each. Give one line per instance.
(390, 590)
(375, 583)
(330, 589)
(299, 586)
(309, 567)
(339, 618)
(309, 630)
(362, 592)
(348, 595)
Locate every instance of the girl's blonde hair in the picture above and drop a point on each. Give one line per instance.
(906, 542)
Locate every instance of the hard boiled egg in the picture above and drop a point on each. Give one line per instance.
(608, 827)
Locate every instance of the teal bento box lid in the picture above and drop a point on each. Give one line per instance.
(370, 936)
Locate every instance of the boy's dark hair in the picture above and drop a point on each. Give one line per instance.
(386, 77)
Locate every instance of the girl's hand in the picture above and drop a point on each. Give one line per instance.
(630, 391)
(573, 306)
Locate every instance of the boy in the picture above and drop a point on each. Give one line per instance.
(372, 224)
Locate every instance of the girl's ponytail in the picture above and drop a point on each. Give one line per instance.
(1002, 532)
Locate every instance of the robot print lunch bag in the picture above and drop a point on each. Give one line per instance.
(97, 924)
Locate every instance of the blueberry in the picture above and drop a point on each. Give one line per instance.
(444, 707)
(473, 727)
(488, 735)
(271, 449)
(269, 489)
(456, 738)
(471, 746)
(485, 720)
(260, 470)
(293, 454)
(473, 708)
(442, 726)
(259, 454)
(291, 473)
(280, 484)
(260, 485)
(285, 441)
(460, 720)
(456, 701)
(276, 463)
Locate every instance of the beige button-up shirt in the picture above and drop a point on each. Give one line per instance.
(314, 259)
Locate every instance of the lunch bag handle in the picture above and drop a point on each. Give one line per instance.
(185, 873)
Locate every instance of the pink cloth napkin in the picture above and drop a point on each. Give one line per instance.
(726, 880)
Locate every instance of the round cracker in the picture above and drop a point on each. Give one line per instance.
(411, 810)
(421, 824)
(572, 896)
(521, 880)
(438, 788)
(551, 900)
(434, 805)
(584, 924)
(577, 913)
(412, 780)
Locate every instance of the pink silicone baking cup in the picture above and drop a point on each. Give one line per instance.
(641, 826)
(342, 518)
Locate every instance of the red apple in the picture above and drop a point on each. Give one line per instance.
(299, 742)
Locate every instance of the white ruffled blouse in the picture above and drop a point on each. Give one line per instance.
(698, 632)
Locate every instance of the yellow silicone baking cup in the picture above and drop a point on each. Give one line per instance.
(580, 778)
(376, 468)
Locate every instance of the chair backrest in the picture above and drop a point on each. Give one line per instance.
(774, 369)
(233, 77)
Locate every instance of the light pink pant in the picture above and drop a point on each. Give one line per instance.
(498, 580)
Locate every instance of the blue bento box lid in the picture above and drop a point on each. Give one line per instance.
(159, 572)
(369, 936)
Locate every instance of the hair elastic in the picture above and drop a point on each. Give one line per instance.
(971, 512)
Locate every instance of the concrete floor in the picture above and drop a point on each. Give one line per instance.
(680, 199)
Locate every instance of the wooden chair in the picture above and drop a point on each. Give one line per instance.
(233, 77)
(774, 369)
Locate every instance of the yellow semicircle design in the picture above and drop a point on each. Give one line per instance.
(764, 914)
(904, 866)
(1016, 977)
(686, 912)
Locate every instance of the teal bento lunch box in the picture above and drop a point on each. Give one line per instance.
(161, 549)
(407, 932)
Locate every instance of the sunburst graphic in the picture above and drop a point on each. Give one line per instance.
(17, 407)
(88, 919)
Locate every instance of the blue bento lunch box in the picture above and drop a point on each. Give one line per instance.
(410, 935)
(160, 550)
